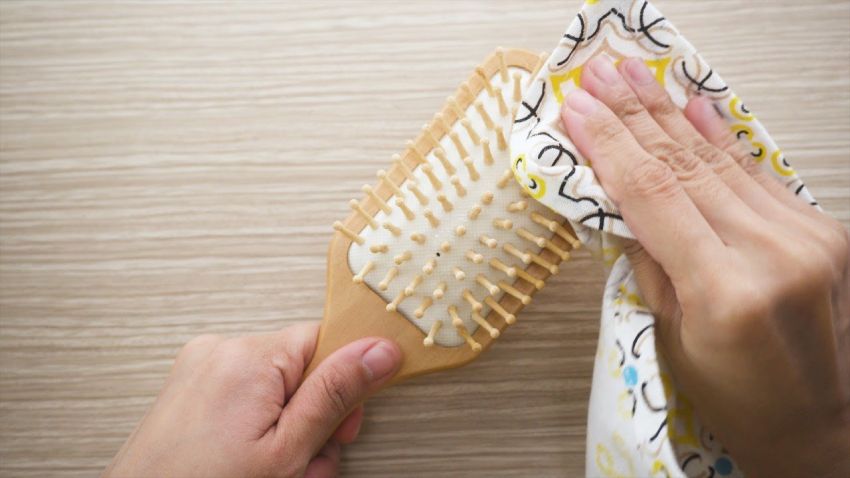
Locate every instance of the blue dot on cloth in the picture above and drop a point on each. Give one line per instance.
(723, 466)
(630, 375)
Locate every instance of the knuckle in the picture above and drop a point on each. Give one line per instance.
(685, 164)
(605, 129)
(660, 105)
(711, 155)
(627, 106)
(651, 178)
(337, 390)
(199, 345)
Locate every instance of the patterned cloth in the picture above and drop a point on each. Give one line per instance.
(639, 424)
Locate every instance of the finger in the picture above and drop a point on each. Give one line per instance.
(194, 353)
(654, 205)
(709, 123)
(290, 350)
(724, 210)
(326, 463)
(340, 383)
(348, 430)
(671, 119)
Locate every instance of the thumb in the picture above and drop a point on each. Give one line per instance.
(339, 383)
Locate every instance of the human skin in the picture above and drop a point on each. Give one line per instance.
(749, 284)
(238, 407)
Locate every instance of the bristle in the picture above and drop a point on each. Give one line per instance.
(474, 212)
(488, 155)
(444, 201)
(394, 230)
(441, 120)
(423, 306)
(505, 224)
(385, 282)
(517, 206)
(503, 67)
(485, 283)
(432, 178)
(429, 266)
(381, 203)
(504, 179)
(383, 176)
(488, 241)
(471, 131)
(404, 209)
(411, 288)
(461, 150)
(475, 346)
(458, 273)
(469, 298)
(486, 79)
(564, 255)
(368, 267)
(429, 134)
(494, 332)
(445, 247)
(488, 121)
(517, 86)
(552, 268)
(432, 219)
(528, 236)
(508, 317)
(466, 89)
(503, 107)
(456, 107)
(348, 233)
(502, 267)
(402, 258)
(423, 200)
(393, 306)
(440, 153)
(470, 167)
(440, 291)
(523, 256)
(460, 230)
(418, 238)
(487, 198)
(417, 155)
(355, 206)
(461, 191)
(429, 339)
(474, 257)
(403, 167)
(379, 248)
(558, 229)
(456, 320)
(537, 283)
(510, 290)
(501, 142)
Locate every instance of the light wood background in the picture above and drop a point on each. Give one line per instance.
(173, 169)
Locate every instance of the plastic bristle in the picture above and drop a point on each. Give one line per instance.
(356, 207)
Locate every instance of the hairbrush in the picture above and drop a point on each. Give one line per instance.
(446, 248)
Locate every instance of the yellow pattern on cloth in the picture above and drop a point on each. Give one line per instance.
(639, 424)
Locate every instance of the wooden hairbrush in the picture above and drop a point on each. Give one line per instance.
(447, 247)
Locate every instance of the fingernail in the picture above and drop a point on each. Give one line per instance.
(604, 69)
(380, 359)
(581, 102)
(638, 72)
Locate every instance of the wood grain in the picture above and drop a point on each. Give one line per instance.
(173, 169)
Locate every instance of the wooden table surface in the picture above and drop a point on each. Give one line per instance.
(173, 169)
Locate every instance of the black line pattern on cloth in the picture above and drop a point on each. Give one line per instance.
(658, 432)
(649, 405)
(532, 111)
(644, 28)
(701, 83)
(693, 456)
(600, 213)
(557, 146)
(622, 352)
(635, 353)
(577, 41)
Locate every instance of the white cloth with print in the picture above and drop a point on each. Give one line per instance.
(638, 423)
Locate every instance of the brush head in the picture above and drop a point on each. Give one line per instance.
(447, 243)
